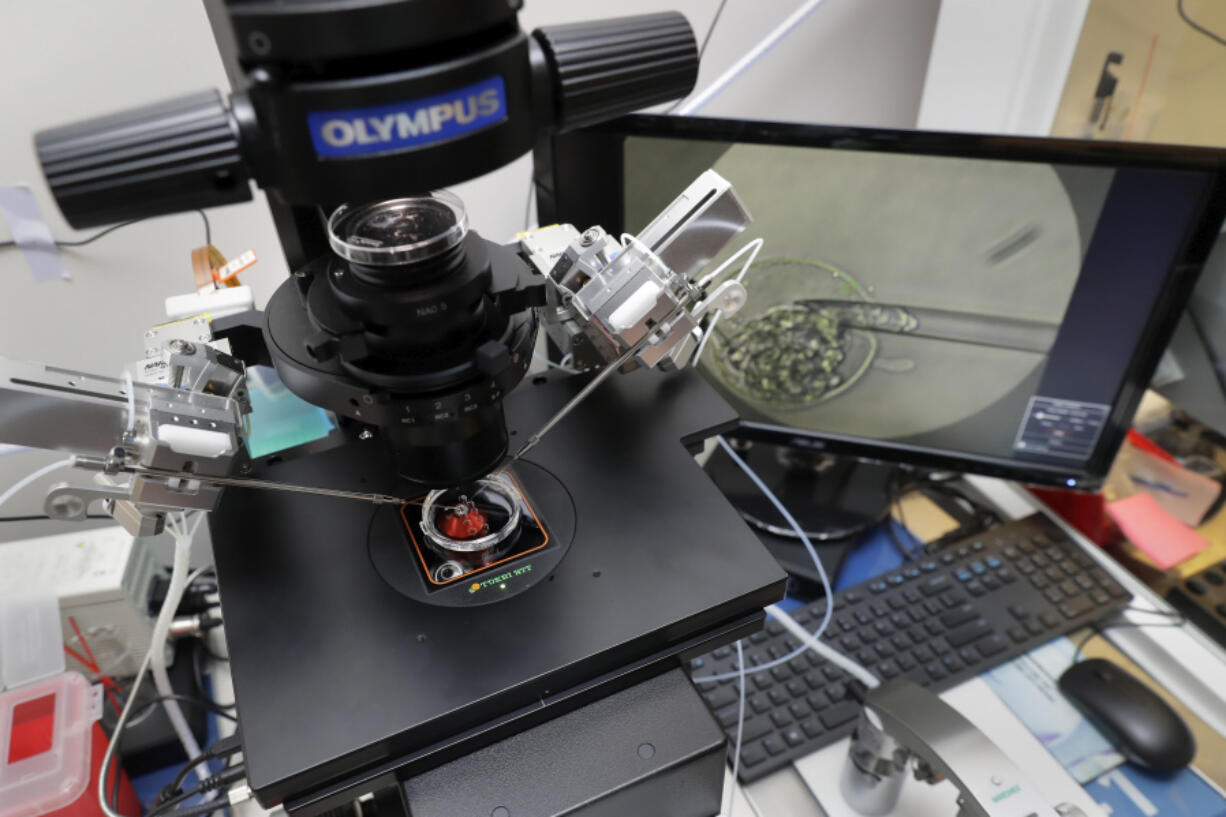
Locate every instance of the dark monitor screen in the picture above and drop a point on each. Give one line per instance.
(952, 300)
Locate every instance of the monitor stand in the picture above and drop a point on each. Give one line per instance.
(833, 499)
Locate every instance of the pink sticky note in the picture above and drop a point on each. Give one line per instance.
(1162, 537)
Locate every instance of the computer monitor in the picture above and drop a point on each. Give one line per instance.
(989, 304)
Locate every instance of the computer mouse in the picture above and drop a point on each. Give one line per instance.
(1141, 725)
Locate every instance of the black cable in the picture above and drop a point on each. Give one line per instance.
(702, 49)
(225, 747)
(198, 673)
(1174, 619)
(208, 232)
(1215, 37)
(228, 775)
(216, 709)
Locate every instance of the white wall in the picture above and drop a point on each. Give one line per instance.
(853, 61)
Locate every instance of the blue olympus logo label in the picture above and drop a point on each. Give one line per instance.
(407, 125)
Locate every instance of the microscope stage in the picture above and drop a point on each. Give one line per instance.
(340, 677)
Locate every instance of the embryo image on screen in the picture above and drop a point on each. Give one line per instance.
(896, 295)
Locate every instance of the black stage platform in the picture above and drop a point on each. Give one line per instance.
(344, 682)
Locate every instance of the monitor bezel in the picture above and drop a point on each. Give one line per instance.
(579, 179)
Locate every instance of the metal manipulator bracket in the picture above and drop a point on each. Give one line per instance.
(902, 723)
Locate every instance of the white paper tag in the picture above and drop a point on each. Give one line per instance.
(31, 233)
(95, 702)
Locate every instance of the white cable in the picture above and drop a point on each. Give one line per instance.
(753, 248)
(754, 245)
(753, 55)
(120, 725)
(177, 526)
(26, 480)
(131, 389)
(740, 726)
(804, 540)
(821, 648)
(560, 366)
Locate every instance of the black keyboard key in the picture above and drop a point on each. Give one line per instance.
(896, 603)
(900, 642)
(969, 656)
(839, 714)
(1100, 597)
(887, 670)
(934, 585)
(836, 692)
(793, 737)
(878, 609)
(968, 632)
(773, 745)
(952, 598)
(752, 755)
(1050, 619)
(780, 717)
(832, 672)
(1018, 634)
(991, 645)
(976, 588)
(759, 704)
(1034, 626)
(763, 681)
(923, 653)
(798, 709)
(1076, 606)
(721, 697)
(959, 615)
(755, 728)
(951, 663)
(812, 727)
(781, 672)
(758, 637)
(905, 662)
(817, 701)
(795, 688)
(814, 680)
(935, 670)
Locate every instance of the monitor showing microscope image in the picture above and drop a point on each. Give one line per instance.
(994, 304)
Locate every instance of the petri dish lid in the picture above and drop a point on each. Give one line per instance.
(398, 231)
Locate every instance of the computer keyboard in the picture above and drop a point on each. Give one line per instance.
(940, 620)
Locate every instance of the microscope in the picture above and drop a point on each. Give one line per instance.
(481, 577)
